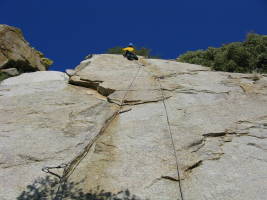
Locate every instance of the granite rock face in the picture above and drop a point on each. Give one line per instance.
(44, 122)
(123, 126)
(15, 52)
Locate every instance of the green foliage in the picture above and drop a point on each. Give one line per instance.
(46, 188)
(139, 51)
(45, 61)
(143, 52)
(115, 50)
(244, 57)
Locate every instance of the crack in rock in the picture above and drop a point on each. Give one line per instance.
(169, 178)
(196, 143)
(195, 165)
(191, 72)
(136, 102)
(199, 147)
(79, 157)
(194, 91)
(125, 110)
(218, 134)
(212, 142)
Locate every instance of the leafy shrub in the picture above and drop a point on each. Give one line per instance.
(47, 62)
(115, 50)
(244, 57)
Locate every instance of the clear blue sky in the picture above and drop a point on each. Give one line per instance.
(66, 31)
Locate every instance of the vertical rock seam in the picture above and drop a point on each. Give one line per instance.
(71, 166)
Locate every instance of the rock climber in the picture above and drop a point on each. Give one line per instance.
(129, 52)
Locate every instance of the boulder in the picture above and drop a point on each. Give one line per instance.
(15, 52)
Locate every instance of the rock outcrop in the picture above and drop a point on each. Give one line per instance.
(124, 127)
(16, 53)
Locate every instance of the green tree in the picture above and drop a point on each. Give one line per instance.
(115, 50)
(247, 56)
(143, 52)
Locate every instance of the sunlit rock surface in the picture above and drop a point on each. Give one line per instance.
(16, 54)
(218, 123)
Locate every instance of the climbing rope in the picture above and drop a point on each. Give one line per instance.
(170, 132)
(131, 84)
(70, 166)
(173, 145)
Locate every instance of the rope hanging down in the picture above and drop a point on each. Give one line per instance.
(173, 145)
(170, 132)
(70, 166)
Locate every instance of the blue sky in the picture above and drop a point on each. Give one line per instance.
(66, 31)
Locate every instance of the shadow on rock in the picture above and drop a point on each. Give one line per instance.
(46, 189)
